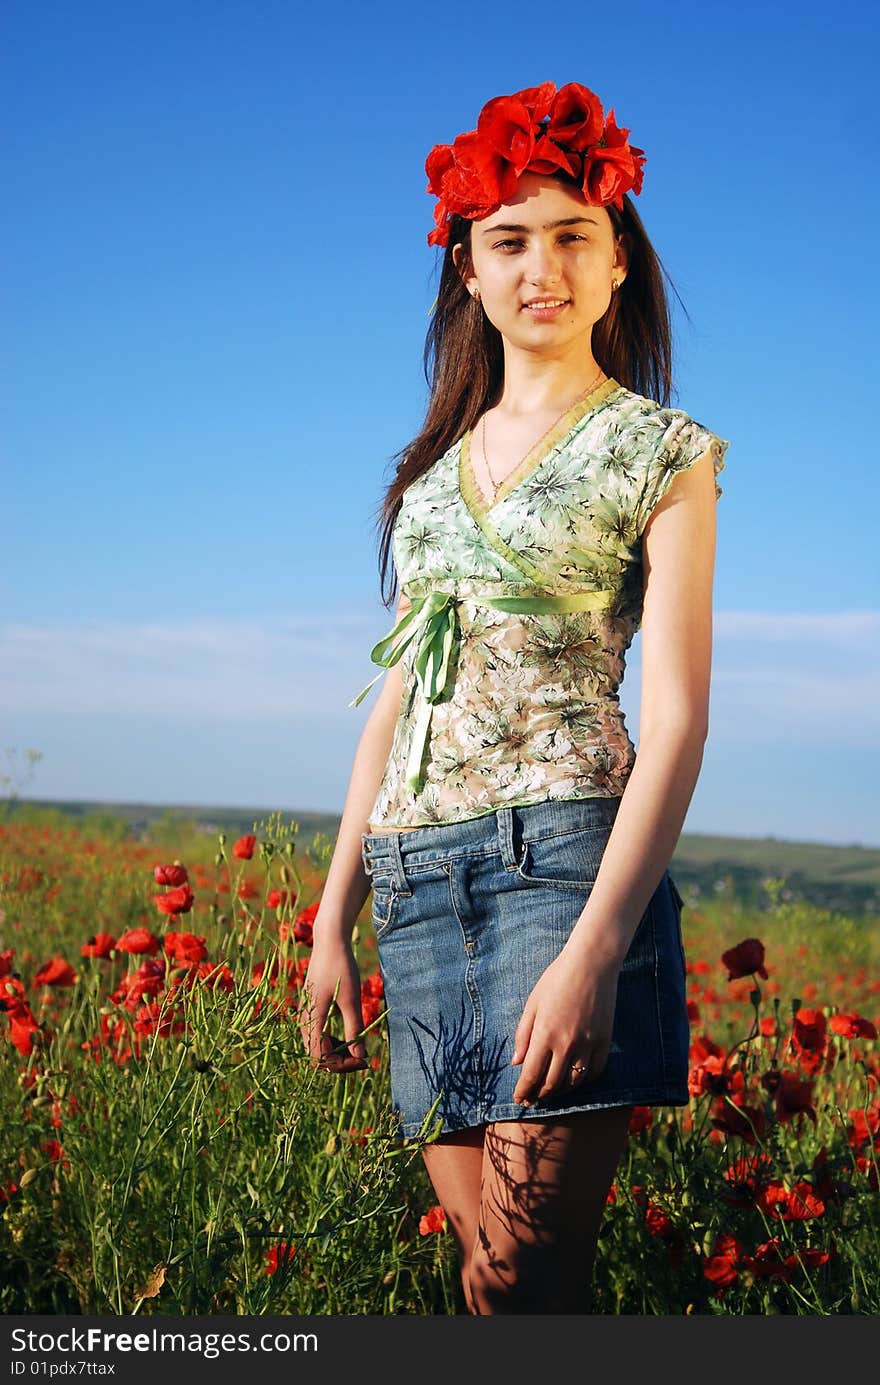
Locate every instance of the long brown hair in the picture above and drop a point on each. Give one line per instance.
(464, 357)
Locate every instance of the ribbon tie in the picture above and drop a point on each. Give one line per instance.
(432, 619)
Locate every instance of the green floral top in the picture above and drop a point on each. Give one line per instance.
(522, 612)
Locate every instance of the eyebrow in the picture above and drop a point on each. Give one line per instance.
(548, 225)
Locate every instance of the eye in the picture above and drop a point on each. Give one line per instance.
(503, 243)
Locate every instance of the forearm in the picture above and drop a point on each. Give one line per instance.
(347, 885)
(641, 843)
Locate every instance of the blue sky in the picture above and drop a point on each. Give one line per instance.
(216, 293)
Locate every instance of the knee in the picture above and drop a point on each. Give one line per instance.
(522, 1282)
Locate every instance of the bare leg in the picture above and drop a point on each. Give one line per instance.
(544, 1185)
(454, 1164)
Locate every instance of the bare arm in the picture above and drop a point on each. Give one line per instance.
(569, 1014)
(347, 885)
(332, 968)
(679, 558)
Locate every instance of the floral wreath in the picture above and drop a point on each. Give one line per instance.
(537, 130)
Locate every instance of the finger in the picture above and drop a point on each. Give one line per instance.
(523, 1033)
(598, 1062)
(311, 1018)
(350, 1052)
(338, 1056)
(535, 1065)
(559, 1076)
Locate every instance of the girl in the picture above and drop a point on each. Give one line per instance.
(529, 931)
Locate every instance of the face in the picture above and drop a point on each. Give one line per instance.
(520, 253)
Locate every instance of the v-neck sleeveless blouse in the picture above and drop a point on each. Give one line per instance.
(523, 610)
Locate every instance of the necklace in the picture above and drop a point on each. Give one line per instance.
(496, 485)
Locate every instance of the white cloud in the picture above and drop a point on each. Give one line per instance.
(215, 669)
(786, 675)
(778, 627)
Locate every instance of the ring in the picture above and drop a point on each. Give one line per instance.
(578, 1067)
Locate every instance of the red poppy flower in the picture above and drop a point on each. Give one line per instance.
(148, 980)
(657, 1220)
(170, 875)
(6, 962)
(433, 1222)
(864, 1126)
(749, 1122)
(56, 972)
(215, 974)
(768, 1262)
(99, 945)
(276, 898)
(54, 1151)
(243, 849)
(809, 1030)
(279, 1257)
(178, 901)
(640, 1120)
(799, 1203)
(185, 949)
(139, 941)
(154, 1018)
(24, 1033)
(612, 170)
(745, 1179)
(746, 959)
(719, 1267)
(852, 1026)
(794, 1098)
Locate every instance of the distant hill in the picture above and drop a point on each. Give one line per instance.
(751, 870)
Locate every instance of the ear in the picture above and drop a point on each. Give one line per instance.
(466, 274)
(620, 264)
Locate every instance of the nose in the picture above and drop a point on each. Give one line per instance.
(543, 265)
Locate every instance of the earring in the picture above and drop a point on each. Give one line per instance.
(476, 295)
(614, 284)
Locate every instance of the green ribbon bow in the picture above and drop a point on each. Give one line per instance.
(432, 619)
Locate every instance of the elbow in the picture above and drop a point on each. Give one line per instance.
(684, 729)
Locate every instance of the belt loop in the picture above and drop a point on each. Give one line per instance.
(504, 818)
(398, 871)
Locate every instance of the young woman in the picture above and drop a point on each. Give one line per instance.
(529, 931)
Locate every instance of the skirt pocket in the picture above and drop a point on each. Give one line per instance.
(384, 905)
(564, 861)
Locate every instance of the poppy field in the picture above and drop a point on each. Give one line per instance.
(167, 1147)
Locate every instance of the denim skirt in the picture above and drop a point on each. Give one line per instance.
(467, 917)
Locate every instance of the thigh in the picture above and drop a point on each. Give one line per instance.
(454, 1163)
(544, 1187)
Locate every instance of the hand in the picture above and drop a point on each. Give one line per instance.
(332, 971)
(568, 1018)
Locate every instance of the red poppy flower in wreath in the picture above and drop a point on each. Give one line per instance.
(539, 130)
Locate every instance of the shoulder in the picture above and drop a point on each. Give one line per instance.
(667, 438)
(645, 418)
